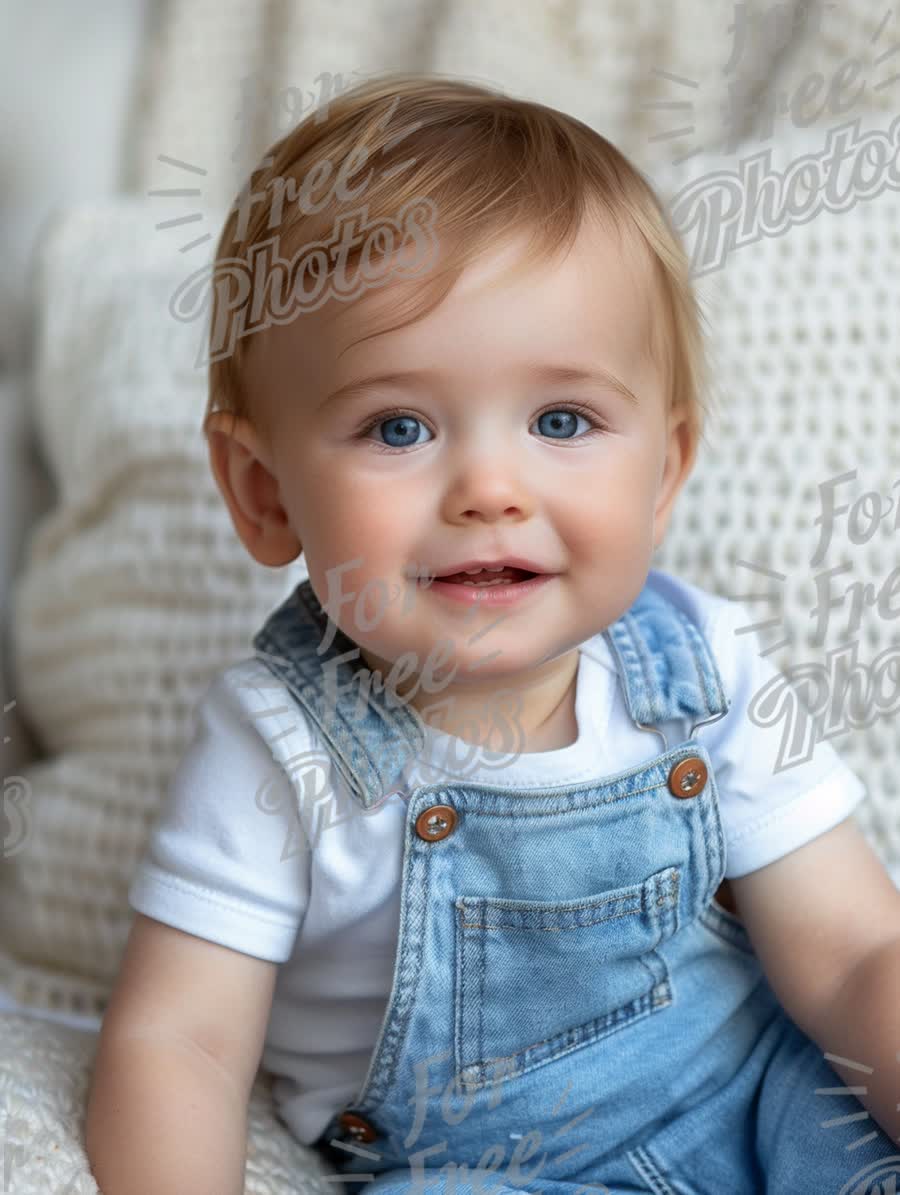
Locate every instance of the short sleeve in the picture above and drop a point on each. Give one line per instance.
(778, 787)
(222, 860)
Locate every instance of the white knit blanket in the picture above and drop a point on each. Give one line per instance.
(135, 589)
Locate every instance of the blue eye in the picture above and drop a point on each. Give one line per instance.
(559, 424)
(401, 431)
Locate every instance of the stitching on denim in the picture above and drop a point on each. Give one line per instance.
(664, 887)
(573, 791)
(707, 670)
(713, 835)
(639, 644)
(646, 999)
(700, 661)
(620, 644)
(620, 1018)
(408, 966)
(518, 813)
(458, 1007)
(481, 956)
(648, 1171)
(554, 929)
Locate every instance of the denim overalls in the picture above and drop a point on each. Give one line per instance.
(571, 1010)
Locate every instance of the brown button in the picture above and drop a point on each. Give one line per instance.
(688, 777)
(436, 822)
(356, 1127)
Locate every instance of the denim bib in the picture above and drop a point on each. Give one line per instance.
(571, 1009)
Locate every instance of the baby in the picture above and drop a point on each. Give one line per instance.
(480, 853)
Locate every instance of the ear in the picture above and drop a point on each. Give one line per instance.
(242, 466)
(681, 452)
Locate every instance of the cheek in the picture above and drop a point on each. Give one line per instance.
(376, 514)
(351, 521)
(613, 501)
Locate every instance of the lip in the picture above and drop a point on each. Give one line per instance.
(493, 595)
(508, 561)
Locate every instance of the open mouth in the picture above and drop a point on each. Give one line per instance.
(488, 578)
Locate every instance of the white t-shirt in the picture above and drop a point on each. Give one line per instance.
(229, 861)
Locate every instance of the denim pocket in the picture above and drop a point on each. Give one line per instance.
(535, 979)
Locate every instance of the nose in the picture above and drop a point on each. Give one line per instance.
(487, 487)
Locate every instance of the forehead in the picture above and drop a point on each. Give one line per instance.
(593, 300)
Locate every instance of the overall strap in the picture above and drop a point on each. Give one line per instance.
(370, 738)
(665, 665)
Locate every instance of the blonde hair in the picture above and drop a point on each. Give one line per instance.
(490, 164)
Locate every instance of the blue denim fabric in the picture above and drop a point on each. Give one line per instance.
(571, 1010)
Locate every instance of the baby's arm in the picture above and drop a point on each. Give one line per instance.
(825, 923)
(179, 1050)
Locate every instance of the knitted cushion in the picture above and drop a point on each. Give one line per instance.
(134, 590)
(225, 78)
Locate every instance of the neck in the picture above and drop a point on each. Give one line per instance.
(521, 712)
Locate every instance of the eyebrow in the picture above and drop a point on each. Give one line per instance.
(545, 374)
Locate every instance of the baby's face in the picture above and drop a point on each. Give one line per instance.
(463, 444)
